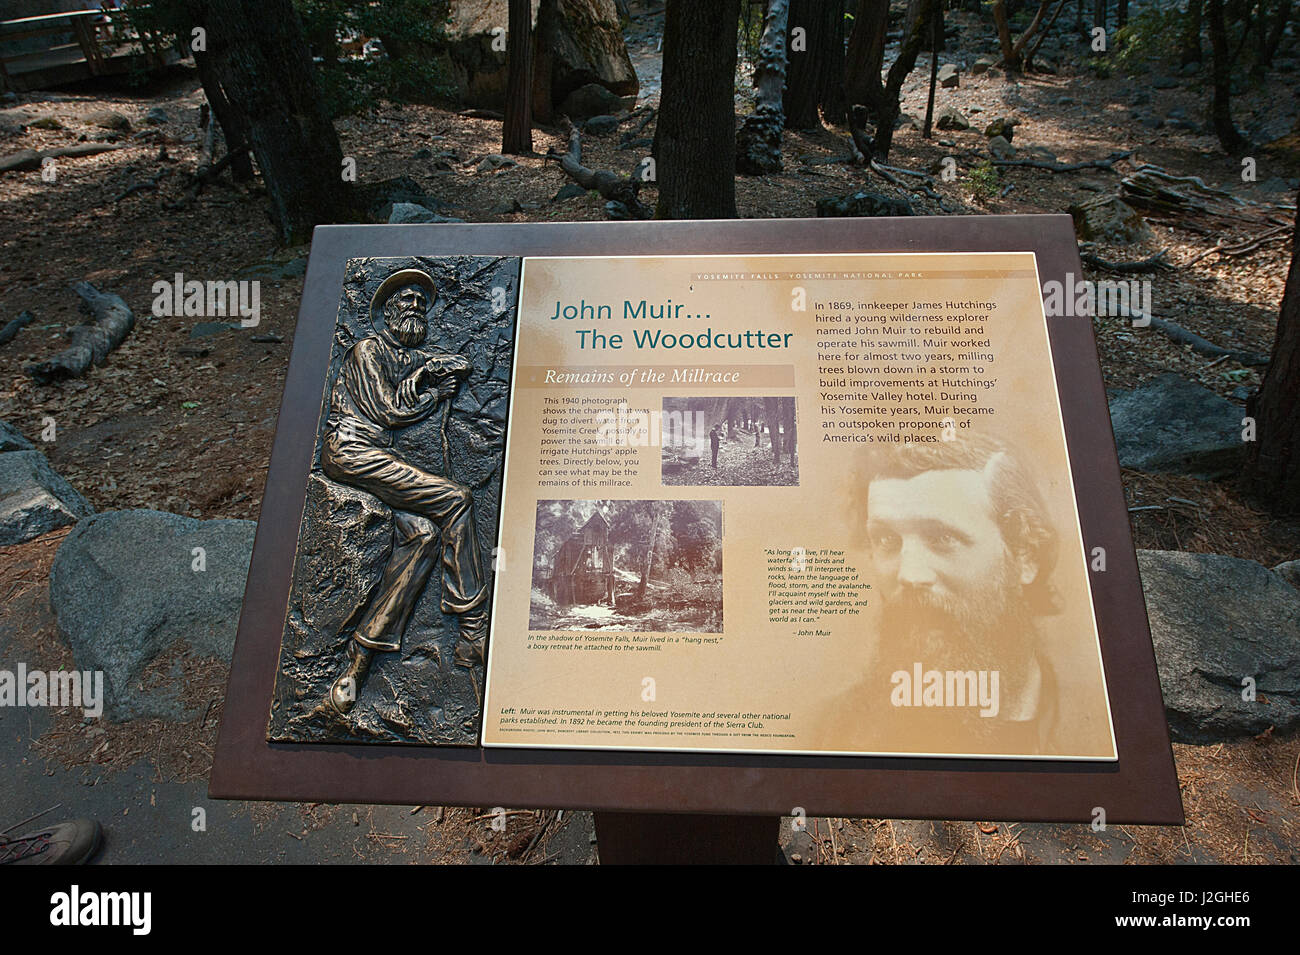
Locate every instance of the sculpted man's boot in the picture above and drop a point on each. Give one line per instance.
(473, 640)
(347, 687)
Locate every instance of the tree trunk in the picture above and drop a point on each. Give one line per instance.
(1189, 47)
(773, 408)
(816, 75)
(1221, 107)
(696, 139)
(885, 104)
(789, 443)
(544, 62)
(1273, 39)
(758, 142)
(232, 130)
(1272, 470)
(656, 518)
(866, 55)
(936, 34)
(517, 130)
(266, 77)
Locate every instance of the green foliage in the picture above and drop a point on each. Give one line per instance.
(413, 34)
(982, 181)
(1153, 34)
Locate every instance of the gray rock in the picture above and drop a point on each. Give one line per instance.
(583, 41)
(948, 76)
(157, 116)
(983, 64)
(107, 119)
(208, 329)
(11, 439)
(591, 100)
(862, 204)
(1214, 622)
(1173, 425)
(601, 125)
(1108, 219)
(124, 590)
(408, 213)
(494, 161)
(1290, 572)
(1275, 184)
(1164, 83)
(951, 118)
(570, 191)
(999, 148)
(33, 499)
(1190, 69)
(1006, 128)
(1140, 98)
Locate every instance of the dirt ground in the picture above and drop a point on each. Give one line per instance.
(185, 424)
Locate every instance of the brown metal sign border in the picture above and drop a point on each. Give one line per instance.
(1141, 788)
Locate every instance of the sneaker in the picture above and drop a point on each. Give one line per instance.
(65, 843)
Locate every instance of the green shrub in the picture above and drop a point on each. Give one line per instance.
(982, 181)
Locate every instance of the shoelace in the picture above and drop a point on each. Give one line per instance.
(14, 849)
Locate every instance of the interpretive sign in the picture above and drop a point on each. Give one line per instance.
(792, 504)
(703, 517)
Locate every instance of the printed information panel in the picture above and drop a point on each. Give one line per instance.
(791, 504)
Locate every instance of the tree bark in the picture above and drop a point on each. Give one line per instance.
(1272, 471)
(1189, 46)
(936, 34)
(816, 74)
(789, 444)
(883, 100)
(1221, 105)
(758, 141)
(265, 75)
(773, 408)
(517, 130)
(657, 510)
(234, 133)
(866, 54)
(696, 139)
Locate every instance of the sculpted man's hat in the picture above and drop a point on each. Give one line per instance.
(397, 280)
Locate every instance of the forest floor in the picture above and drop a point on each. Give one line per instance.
(181, 418)
(741, 463)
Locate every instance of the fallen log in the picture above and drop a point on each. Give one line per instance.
(1201, 346)
(146, 185)
(1149, 264)
(612, 186)
(1107, 163)
(1243, 247)
(7, 333)
(28, 159)
(90, 344)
